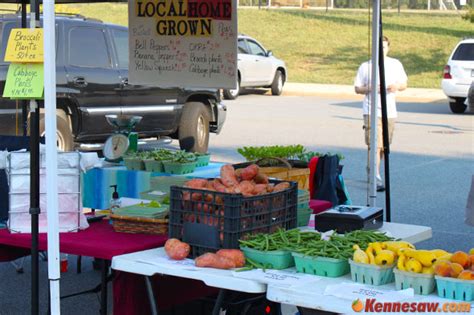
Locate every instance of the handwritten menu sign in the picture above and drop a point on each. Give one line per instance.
(24, 81)
(183, 43)
(25, 45)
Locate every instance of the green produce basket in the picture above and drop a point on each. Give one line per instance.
(423, 284)
(303, 216)
(371, 274)
(134, 164)
(321, 266)
(279, 259)
(203, 160)
(179, 168)
(152, 165)
(455, 289)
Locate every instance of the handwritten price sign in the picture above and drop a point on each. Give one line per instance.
(24, 81)
(25, 45)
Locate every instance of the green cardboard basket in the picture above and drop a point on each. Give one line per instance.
(279, 259)
(203, 160)
(455, 289)
(152, 165)
(422, 283)
(303, 216)
(321, 266)
(134, 164)
(371, 274)
(179, 168)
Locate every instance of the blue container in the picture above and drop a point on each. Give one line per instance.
(455, 289)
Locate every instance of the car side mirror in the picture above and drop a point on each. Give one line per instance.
(269, 53)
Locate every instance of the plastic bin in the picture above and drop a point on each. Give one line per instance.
(321, 266)
(152, 165)
(455, 289)
(203, 160)
(179, 168)
(134, 164)
(209, 220)
(423, 284)
(303, 216)
(279, 259)
(371, 274)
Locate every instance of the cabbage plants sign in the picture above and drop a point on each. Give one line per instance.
(183, 43)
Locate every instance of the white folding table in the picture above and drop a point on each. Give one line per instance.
(155, 261)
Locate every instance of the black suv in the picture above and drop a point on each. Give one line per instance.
(92, 81)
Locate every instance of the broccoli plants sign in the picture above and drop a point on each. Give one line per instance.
(183, 43)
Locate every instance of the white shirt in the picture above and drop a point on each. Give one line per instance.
(394, 74)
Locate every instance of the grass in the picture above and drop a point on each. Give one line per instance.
(321, 47)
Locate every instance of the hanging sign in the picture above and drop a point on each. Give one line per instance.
(25, 45)
(24, 81)
(183, 43)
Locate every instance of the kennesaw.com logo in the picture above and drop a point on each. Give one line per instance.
(371, 305)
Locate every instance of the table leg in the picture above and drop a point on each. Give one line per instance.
(103, 287)
(79, 264)
(151, 297)
(219, 300)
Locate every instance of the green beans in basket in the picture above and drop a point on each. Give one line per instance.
(280, 240)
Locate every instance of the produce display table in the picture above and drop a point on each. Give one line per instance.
(99, 241)
(155, 261)
(311, 296)
(96, 191)
(150, 262)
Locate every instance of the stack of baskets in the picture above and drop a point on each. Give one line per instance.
(303, 210)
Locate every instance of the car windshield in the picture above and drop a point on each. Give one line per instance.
(465, 52)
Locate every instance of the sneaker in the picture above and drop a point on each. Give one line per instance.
(380, 188)
(379, 180)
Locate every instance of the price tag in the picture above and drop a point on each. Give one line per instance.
(24, 81)
(353, 291)
(281, 277)
(25, 45)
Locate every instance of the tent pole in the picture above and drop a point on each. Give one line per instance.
(386, 143)
(51, 154)
(34, 182)
(373, 105)
(24, 103)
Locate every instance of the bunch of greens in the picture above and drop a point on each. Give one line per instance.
(182, 156)
(287, 152)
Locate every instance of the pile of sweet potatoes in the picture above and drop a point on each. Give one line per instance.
(246, 181)
(223, 259)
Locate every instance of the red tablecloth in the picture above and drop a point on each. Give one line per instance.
(101, 241)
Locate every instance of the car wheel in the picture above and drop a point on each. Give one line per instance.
(277, 85)
(458, 106)
(194, 127)
(232, 94)
(65, 139)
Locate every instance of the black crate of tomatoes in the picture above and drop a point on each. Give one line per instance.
(210, 214)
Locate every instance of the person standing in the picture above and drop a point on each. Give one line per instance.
(395, 80)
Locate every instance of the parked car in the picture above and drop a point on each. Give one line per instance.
(257, 67)
(458, 75)
(92, 81)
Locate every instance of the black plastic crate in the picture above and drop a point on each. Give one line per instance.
(209, 220)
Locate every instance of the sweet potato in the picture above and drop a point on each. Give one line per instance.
(261, 179)
(246, 187)
(238, 173)
(270, 188)
(177, 250)
(260, 189)
(218, 186)
(235, 255)
(249, 172)
(196, 183)
(228, 177)
(281, 186)
(212, 260)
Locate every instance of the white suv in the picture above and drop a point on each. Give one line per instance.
(458, 75)
(257, 67)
